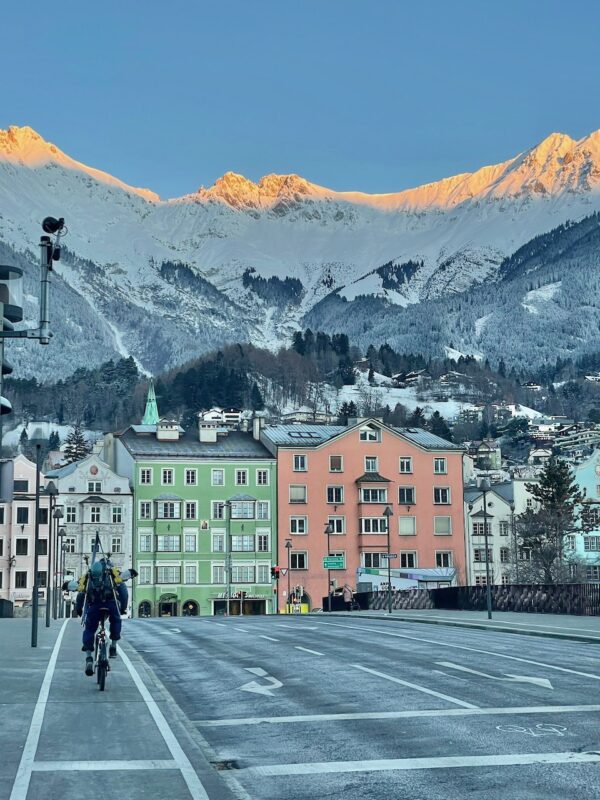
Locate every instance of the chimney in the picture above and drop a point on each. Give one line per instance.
(207, 431)
(258, 424)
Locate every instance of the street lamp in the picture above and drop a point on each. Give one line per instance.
(51, 491)
(288, 547)
(227, 509)
(36, 546)
(60, 564)
(387, 513)
(514, 535)
(328, 532)
(57, 516)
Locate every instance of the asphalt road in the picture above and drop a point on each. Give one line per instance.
(354, 708)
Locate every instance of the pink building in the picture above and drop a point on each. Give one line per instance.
(17, 532)
(348, 476)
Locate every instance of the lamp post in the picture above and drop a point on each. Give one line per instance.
(387, 513)
(513, 530)
(57, 515)
(328, 532)
(60, 565)
(288, 547)
(63, 550)
(36, 547)
(228, 553)
(51, 491)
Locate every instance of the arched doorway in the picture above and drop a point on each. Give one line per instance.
(145, 609)
(189, 608)
(167, 605)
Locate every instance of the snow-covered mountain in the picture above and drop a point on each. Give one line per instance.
(164, 280)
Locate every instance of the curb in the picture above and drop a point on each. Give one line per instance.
(575, 637)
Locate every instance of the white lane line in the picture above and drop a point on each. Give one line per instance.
(434, 712)
(283, 625)
(536, 625)
(193, 782)
(443, 762)
(306, 650)
(423, 689)
(243, 630)
(221, 624)
(88, 766)
(23, 776)
(270, 638)
(470, 649)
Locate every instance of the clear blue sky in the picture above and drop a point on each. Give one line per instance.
(375, 95)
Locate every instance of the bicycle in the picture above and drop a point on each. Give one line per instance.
(101, 662)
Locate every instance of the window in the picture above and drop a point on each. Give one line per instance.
(41, 579)
(22, 547)
(22, 515)
(479, 555)
(115, 544)
(263, 509)
(242, 544)
(405, 465)
(217, 509)
(1, 547)
(299, 525)
(338, 524)
(370, 434)
(442, 526)
(218, 477)
(117, 515)
(94, 513)
(262, 544)
(372, 525)
(373, 495)
(374, 560)
(42, 547)
(218, 573)
(243, 573)
(443, 558)
(480, 530)
(407, 526)
(264, 573)
(241, 477)
(504, 555)
(218, 542)
(1, 576)
(71, 514)
(145, 509)
(168, 509)
(167, 476)
(1, 515)
(441, 495)
(591, 516)
(335, 494)
(145, 540)
(69, 542)
(20, 580)
(21, 486)
(189, 541)
(569, 542)
(43, 518)
(262, 477)
(242, 509)
(529, 502)
(591, 573)
(300, 463)
(503, 526)
(297, 494)
(481, 580)
(504, 579)
(440, 466)
(406, 495)
(93, 543)
(168, 543)
(168, 574)
(146, 476)
(190, 573)
(145, 574)
(591, 543)
(336, 464)
(95, 487)
(299, 560)
(191, 479)
(191, 509)
(371, 464)
(408, 559)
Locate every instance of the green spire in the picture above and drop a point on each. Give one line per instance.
(151, 413)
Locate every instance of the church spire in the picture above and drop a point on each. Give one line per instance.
(151, 413)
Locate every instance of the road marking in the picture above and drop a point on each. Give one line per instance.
(543, 729)
(543, 682)
(243, 630)
(192, 781)
(270, 638)
(87, 766)
(444, 762)
(533, 625)
(433, 712)
(221, 624)
(261, 688)
(470, 649)
(176, 630)
(283, 625)
(416, 686)
(23, 776)
(306, 650)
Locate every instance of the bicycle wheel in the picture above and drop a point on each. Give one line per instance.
(102, 667)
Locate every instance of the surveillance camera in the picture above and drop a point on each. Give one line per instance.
(52, 225)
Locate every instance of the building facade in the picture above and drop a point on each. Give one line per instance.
(346, 477)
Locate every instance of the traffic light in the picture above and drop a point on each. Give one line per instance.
(275, 573)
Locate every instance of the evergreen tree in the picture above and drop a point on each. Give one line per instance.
(439, 426)
(417, 418)
(23, 440)
(54, 441)
(76, 446)
(256, 400)
(371, 375)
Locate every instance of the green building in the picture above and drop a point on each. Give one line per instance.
(205, 516)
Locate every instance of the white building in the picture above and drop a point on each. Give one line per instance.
(93, 499)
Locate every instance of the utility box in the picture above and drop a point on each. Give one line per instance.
(6, 609)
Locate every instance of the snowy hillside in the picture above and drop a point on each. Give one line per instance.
(164, 280)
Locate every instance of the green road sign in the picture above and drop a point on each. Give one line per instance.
(333, 562)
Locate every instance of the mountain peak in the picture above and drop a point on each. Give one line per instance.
(240, 192)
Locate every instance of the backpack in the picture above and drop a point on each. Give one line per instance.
(100, 585)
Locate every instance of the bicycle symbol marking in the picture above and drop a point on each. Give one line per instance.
(542, 729)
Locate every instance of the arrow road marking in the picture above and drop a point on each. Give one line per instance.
(258, 688)
(543, 682)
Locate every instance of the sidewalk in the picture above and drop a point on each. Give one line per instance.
(556, 626)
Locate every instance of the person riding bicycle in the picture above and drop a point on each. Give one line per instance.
(103, 587)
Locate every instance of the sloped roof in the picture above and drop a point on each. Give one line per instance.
(237, 444)
(311, 435)
(93, 498)
(372, 477)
